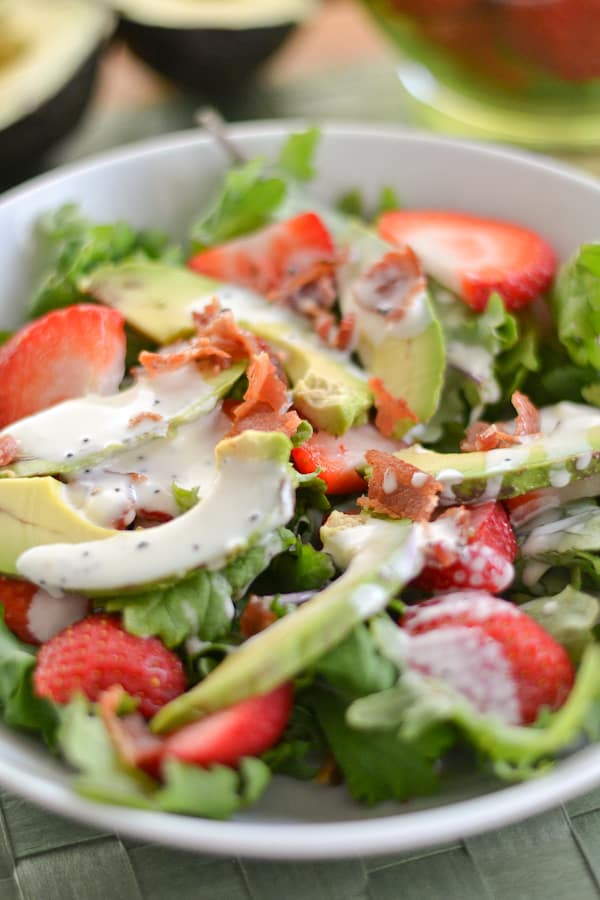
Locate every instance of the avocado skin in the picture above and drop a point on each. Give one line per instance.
(24, 143)
(213, 60)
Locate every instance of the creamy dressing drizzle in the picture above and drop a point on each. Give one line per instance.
(81, 428)
(249, 498)
(142, 479)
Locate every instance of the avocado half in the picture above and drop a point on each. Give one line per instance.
(208, 46)
(49, 51)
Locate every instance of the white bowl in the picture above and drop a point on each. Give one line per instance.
(163, 183)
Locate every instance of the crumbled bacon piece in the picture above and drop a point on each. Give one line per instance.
(134, 743)
(218, 343)
(9, 449)
(481, 436)
(398, 489)
(310, 290)
(391, 285)
(256, 617)
(394, 415)
(265, 385)
(141, 416)
(345, 332)
(265, 419)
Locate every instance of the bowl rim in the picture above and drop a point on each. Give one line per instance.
(323, 840)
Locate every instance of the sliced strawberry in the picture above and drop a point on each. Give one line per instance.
(67, 353)
(264, 259)
(487, 548)
(489, 651)
(33, 614)
(247, 729)
(474, 257)
(97, 653)
(341, 458)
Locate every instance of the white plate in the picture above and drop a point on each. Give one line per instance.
(164, 183)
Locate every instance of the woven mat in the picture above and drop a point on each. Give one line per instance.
(554, 856)
(43, 857)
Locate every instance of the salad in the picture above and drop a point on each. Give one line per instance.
(315, 494)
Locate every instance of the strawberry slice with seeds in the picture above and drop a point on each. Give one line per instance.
(97, 653)
(33, 615)
(248, 728)
(341, 458)
(66, 353)
(264, 259)
(490, 652)
(486, 550)
(473, 256)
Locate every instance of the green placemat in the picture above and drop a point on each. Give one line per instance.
(554, 856)
(44, 857)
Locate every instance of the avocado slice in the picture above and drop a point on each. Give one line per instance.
(381, 556)
(209, 45)
(159, 299)
(408, 354)
(252, 495)
(81, 432)
(49, 54)
(36, 511)
(550, 461)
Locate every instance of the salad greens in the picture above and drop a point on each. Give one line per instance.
(328, 584)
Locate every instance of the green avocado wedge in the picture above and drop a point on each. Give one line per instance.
(499, 474)
(408, 353)
(252, 496)
(35, 511)
(381, 556)
(84, 431)
(159, 300)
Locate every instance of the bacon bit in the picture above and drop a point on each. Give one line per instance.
(9, 450)
(329, 773)
(324, 324)
(528, 416)
(345, 334)
(146, 518)
(141, 416)
(438, 553)
(218, 343)
(309, 291)
(133, 741)
(265, 419)
(481, 436)
(393, 492)
(265, 386)
(256, 617)
(394, 415)
(391, 285)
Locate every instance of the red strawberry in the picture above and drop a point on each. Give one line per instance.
(561, 36)
(67, 353)
(489, 651)
(484, 561)
(33, 614)
(96, 654)
(248, 728)
(339, 458)
(474, 257)
(263, 260)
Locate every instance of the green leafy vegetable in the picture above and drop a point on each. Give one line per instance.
(21, 707)
(185, 498)
(576, 305)
(215, 793)
(356, 667)
(378, 766)
(417, 703)
(569, 617)
(351, 204)
(300, 568)
(247, 202)
(200, 605)
(5, 336)
(388, 200)
(79, 246)
(297, 155)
